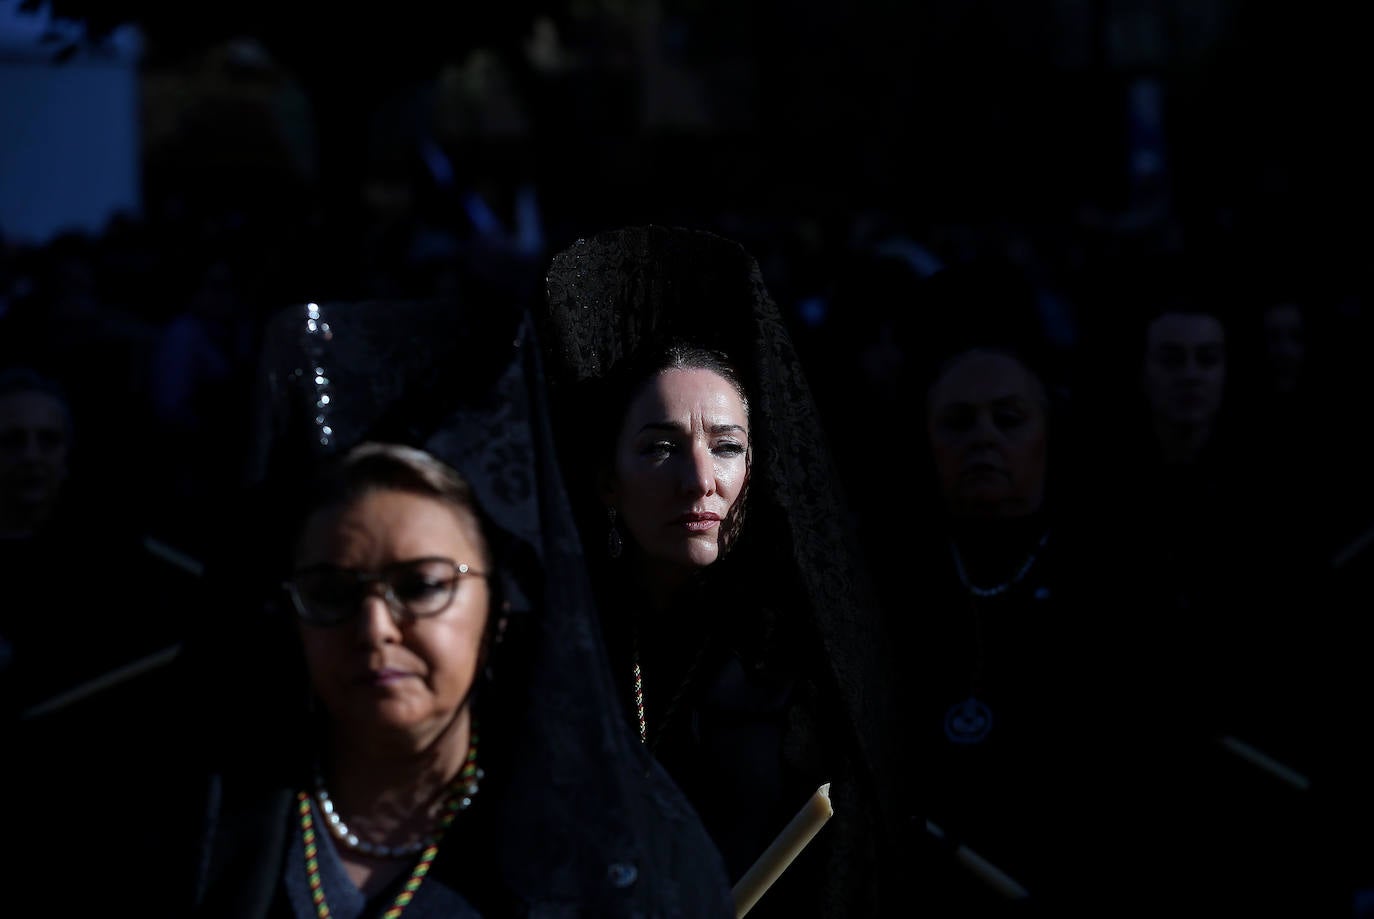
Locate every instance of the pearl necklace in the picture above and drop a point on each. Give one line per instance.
(1004, 586)
(464, 788)
(459, 799)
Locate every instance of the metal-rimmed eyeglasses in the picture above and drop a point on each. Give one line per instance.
(413, 589)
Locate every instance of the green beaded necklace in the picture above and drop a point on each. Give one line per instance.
(460, 796)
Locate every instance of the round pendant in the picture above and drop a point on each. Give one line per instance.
(968, 722)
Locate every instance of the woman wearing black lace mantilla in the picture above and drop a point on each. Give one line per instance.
(421, 724)
(734, 607)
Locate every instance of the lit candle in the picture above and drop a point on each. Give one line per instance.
(780, 852)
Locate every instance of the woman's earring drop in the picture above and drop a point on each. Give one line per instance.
(614, 544)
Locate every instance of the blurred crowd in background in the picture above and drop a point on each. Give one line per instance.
(854, 149)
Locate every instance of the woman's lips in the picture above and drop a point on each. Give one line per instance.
(387, 676)
(698, 523)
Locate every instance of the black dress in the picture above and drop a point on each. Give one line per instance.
(1016, 713)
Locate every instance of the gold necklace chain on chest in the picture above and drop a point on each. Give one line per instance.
(458, 799)
(996, 589)
(637, 673)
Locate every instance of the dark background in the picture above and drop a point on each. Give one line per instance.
(957, 110)
(284, 160)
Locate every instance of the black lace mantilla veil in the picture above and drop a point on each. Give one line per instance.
(588, 821)
(612, 294)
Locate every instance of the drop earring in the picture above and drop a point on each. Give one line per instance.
(614, 544)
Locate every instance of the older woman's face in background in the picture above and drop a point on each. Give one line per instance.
(1185, 367)
(34, 442)
(396, 682)
(1285, 345)
(987, 428)
(681, 461)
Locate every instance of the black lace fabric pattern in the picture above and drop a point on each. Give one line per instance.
(610, 295)
(590, 822)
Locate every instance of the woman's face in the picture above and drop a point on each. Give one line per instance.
(33, 453)
(1185, 367)
(1285, 345)
(681, 461)
(987, 427)
(378, 678)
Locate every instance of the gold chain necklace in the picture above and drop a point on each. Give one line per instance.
(637, 671)
(460, 795)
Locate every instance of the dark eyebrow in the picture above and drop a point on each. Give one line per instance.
(669, 427)
(995, 402)
(40, 428)
(666, 427)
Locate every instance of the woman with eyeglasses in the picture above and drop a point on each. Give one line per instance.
(395, 621)
(418, 721)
